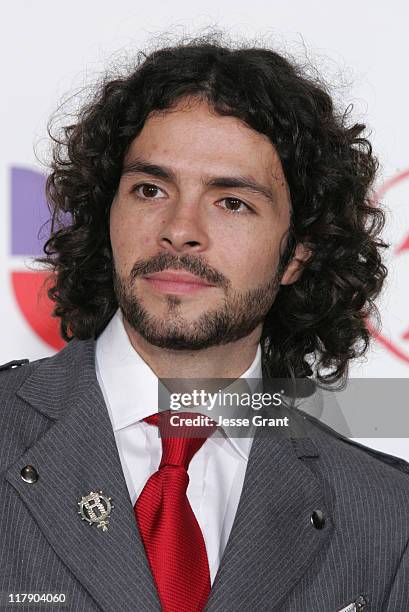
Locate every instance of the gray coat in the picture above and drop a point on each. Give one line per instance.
(53, 417)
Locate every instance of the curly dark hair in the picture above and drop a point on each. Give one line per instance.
(319, 321)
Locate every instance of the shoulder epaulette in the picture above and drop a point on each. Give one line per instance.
(397, 462)
(13, 364)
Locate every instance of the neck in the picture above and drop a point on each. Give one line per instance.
(223, 361)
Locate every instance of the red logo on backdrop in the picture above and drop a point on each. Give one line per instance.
(30, 291)
(395, 345)
(30, 212)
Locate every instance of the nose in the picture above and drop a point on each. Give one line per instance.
(184, 229)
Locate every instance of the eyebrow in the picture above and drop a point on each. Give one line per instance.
(137, 166)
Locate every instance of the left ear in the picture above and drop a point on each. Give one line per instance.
(296, 265)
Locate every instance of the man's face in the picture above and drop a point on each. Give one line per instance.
(203, 194)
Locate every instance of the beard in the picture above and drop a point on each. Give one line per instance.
(238, 315)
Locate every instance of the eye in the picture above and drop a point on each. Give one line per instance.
(235, 202)
(146, 191)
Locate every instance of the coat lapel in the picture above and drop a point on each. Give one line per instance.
(75, 456)
(273, 541)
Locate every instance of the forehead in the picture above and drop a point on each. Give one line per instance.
(192, 137)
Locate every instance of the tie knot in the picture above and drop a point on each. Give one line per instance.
(182, 433)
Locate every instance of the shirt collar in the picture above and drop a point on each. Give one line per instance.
(131, 386)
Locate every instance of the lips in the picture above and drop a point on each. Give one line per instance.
(177, 277)
(179, 283)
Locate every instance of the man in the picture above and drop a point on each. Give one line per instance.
(211, 219)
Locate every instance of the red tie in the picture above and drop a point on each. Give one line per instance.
(171, 535)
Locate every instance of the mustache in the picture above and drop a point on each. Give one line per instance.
(164, 261)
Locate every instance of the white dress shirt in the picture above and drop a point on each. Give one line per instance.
(216, 472)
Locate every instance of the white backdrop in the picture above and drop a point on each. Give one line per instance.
(50, 49)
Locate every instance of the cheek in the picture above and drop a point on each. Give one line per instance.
(124, 239)
(131, 240)
(249, 257)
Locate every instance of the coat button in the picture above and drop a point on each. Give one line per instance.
(361, 603)
(29, 474)
(318, 519)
